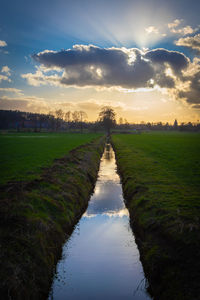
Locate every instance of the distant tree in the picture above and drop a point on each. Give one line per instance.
(167, 126)
(41, 119)
(159, 126)
(148, 125)
(83, 117)
(175, 124)
(51, 120)
(68, 116)
(126, 124)
(59, 114)
(76, 116)
(120, 121)
(107, 118)
(36, 119)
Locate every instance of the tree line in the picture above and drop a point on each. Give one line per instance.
(59, 120)
(54, 120)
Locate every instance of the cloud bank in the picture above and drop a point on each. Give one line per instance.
(125, 68)
(192, 42)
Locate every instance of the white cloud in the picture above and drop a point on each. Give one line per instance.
(192, 42)
(6, 69)
(175, 23)
(3, 43)
(152, 29)
(185, 30)
(39, 78)
(5, 78)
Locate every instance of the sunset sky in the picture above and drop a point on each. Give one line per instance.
(140, 57)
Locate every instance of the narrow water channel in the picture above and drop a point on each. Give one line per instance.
(101, 259)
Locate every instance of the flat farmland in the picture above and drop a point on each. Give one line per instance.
(22, 155)
(160, 174)
(172, 156)
(165, 164)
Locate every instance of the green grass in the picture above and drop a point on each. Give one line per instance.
(165, 162)
(22, 155)
(36, 217)
(161, 182)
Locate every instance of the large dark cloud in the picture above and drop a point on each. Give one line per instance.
(90, 65)
(176, 60)
(82, 56)
(119, 67)
(127, 68)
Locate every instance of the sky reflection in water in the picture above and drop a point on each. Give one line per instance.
(101, 259)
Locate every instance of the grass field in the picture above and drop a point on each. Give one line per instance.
(165, 162)
(23, 154)
(161, 182)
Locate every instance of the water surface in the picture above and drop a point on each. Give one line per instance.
(101, 259)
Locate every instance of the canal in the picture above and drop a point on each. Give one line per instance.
(101, 258)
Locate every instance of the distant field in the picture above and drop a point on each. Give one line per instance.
(23, 154)
(165, 169)
(171, 156)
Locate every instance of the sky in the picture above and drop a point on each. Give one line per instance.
(140, 57)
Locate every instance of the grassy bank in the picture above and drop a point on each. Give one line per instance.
(37, 216)
(22, 155)
(161, 182)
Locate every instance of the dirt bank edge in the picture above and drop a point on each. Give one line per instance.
(36, 218)
(170, 255)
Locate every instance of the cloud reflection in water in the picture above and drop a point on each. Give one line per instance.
(101, 259)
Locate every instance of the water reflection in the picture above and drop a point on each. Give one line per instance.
(107, 197)
(120, 213)
(101, 259)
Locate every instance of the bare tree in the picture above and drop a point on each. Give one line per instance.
(67, 116)
(107, 117)
(175, 124)
(59, 114)
(121, 121)
(83, 117)
(76, 116)
(51, 120)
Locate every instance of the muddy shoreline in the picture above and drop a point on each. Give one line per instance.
(37, 217)
(170, 258)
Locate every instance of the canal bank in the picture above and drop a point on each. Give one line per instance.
(164, 215)
(101, 259)
(36, 218)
